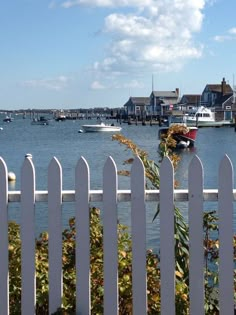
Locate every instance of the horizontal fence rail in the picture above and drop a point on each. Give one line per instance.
(180, 195)
(110, 196)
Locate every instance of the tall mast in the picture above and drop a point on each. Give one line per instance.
(233, 90)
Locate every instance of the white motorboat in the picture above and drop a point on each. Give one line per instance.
(204, 117)
(100, 128)
(61, 117)
(8, 119)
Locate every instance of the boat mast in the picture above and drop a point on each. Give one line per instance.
(233, 90)
(154, 98)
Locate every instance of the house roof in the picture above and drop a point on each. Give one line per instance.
(191, 98)
(138, 101)
(223, 98)
(165, 93)
(218, 88)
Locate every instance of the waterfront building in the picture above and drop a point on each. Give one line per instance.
(189, 101)
(221, 98)
(137, 107)
(156, 105)
(162, 101)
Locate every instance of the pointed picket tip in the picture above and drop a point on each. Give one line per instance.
(109, 166)
(27, 187)
(166, 163)
(28, 161)
(109, 178)
(195, 161)
(82, 169)
(166, 176)
(137, 180)
(28, 165)
(54, 164)
(110, 161)
(226, 162)
(3, 163)
(3, 166)
(195, 165)
(166, 159)
(82, 162)
(137, 164)
(225, 174)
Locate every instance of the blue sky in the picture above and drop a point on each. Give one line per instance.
(96, 53)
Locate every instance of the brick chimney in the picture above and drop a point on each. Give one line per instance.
(223, 87)
(177, 91)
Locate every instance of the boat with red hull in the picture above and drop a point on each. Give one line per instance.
(185, 136)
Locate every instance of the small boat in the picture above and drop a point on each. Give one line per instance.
(40, 121)
(204, 117)
(60, 117)
(8, 119)
(100, 128)
(184, 135)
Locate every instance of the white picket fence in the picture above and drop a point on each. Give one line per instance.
(195, 195)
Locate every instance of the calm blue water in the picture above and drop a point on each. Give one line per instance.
(62, 140)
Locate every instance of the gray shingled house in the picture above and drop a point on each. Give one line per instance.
(137, 107)
(221, 98)
(162, 101)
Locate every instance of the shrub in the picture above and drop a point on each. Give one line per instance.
(69, 277)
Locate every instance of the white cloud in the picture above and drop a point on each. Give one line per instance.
(57, 83)
(97, 86)
(211, 2)
(128, 25)
(114, 84)
(69, 4)
(52, 5)
(107, 3)
(133, 84)
(221, 38)
(229, 35)
(149, 35)
(159, 37)
(232, 31)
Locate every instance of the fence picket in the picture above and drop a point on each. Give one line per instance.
(110, 238)
(226, 267)
(82, 188)
(55, 236)
(138, 230)
(167, 263)
(196, 251)
(4, 286)
(28, 294)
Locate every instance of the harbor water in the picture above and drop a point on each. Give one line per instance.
(63, 141)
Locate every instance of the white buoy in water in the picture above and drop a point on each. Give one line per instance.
(11, 177)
